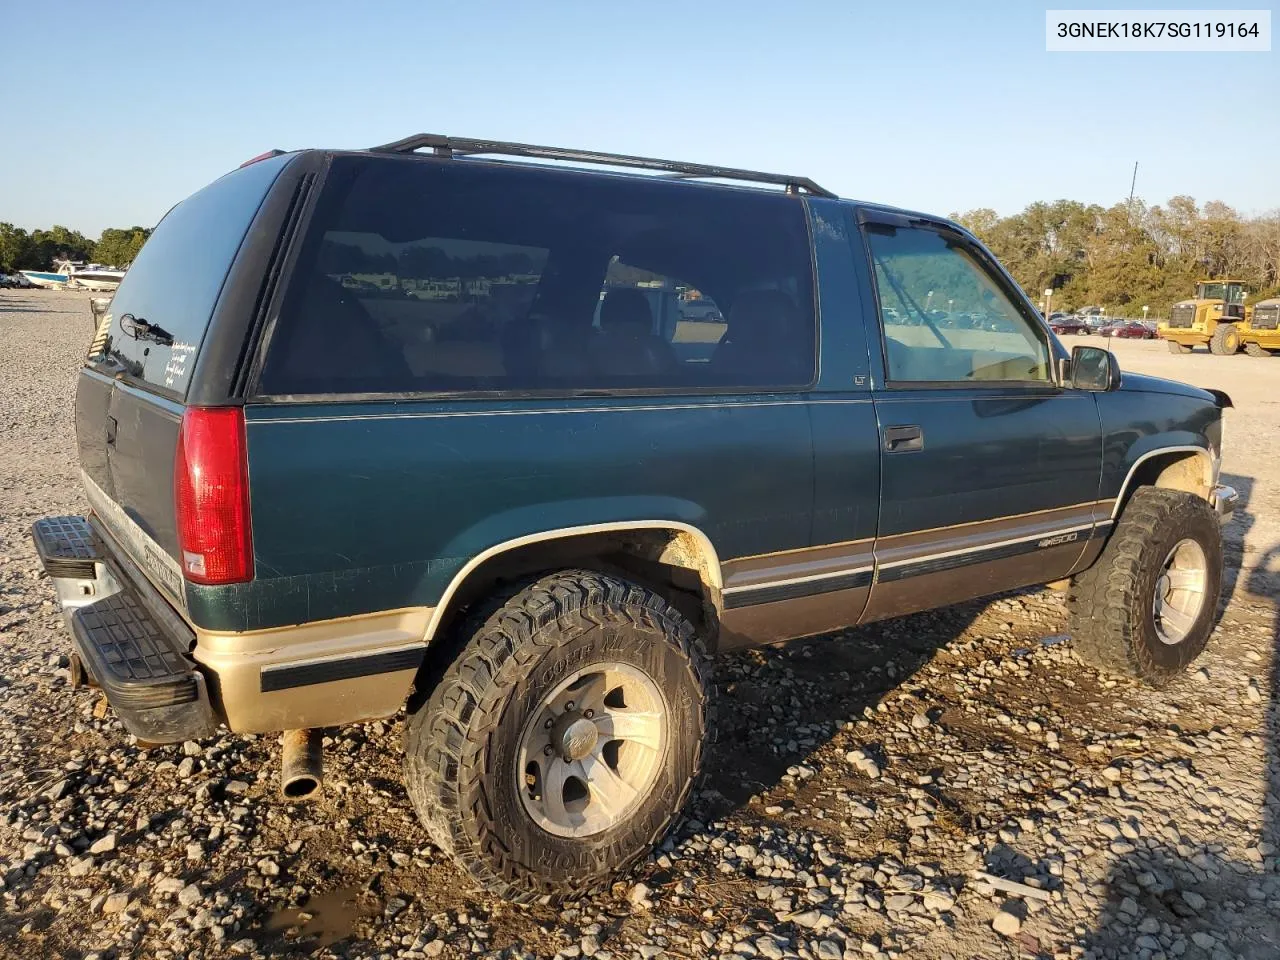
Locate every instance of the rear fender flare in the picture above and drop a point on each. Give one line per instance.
(691, 544)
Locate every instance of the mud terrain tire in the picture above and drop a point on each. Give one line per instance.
(464, 744)
(1113, 603)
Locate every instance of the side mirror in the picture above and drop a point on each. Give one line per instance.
(1093, 368)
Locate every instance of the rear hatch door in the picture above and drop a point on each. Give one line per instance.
(133, 389)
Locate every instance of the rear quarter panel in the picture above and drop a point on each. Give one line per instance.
(376, 506)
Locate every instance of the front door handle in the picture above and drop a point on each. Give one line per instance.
(903, 439)
(111, 431)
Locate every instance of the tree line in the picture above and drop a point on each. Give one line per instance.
(1120, 257)
(41, 249)
(1126, 256)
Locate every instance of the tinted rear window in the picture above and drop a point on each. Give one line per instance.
(424, 276)
(163, 306)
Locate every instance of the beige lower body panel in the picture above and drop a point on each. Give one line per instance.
(314, 675)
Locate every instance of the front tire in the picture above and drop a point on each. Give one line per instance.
(562, 743)
(1146, 608)
(1225, 341)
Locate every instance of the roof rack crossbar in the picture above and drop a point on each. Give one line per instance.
(459, 146)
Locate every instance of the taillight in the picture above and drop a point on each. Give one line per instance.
(211, 493)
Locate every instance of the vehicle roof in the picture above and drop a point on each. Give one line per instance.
(707, 184)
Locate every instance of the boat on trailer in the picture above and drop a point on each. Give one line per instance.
(84, 276)
(95, 276)
(48, 280)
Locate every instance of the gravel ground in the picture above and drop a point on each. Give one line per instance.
(873, 794)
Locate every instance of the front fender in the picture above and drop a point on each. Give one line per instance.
(1138, 426)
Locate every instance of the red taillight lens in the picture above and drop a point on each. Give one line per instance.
(211, 492)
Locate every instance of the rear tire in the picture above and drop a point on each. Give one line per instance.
(518, 763)
(1225, 341)
(1254, 350)
(1177, 347)
(1136, 611)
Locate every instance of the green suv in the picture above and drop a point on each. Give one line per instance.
(515, 447)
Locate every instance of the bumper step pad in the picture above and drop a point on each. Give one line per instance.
(152, 684)
(66, 546)
(150, 680)
(126, 650)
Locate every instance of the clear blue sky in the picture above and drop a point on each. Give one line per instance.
(117, 111)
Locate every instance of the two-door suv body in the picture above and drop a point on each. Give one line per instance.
(515, 447)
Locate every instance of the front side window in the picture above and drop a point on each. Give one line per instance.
(945, 317)
(425, 276)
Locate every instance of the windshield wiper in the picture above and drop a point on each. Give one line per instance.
(140, 329)
(907, 299)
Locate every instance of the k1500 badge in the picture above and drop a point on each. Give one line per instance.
(1055, 541)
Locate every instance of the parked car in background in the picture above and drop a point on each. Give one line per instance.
(519, 511)
(1065, 323)
(1128, 330)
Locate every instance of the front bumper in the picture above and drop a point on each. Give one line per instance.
(130, 643)
(1224, 499)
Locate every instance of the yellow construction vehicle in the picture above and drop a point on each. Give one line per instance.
(1213, 317)
(1260, 334)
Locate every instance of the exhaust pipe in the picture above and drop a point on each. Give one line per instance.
(302, 764)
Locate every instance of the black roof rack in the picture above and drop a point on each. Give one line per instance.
(444, 146)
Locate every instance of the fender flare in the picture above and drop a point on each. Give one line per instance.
(1211, 463)
(710, 559)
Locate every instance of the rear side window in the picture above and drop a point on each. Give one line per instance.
(159, 314)
(425, 276)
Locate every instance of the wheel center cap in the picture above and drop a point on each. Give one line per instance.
(1162, 587)
(578, 739)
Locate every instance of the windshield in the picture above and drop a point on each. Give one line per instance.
(1230, 292)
